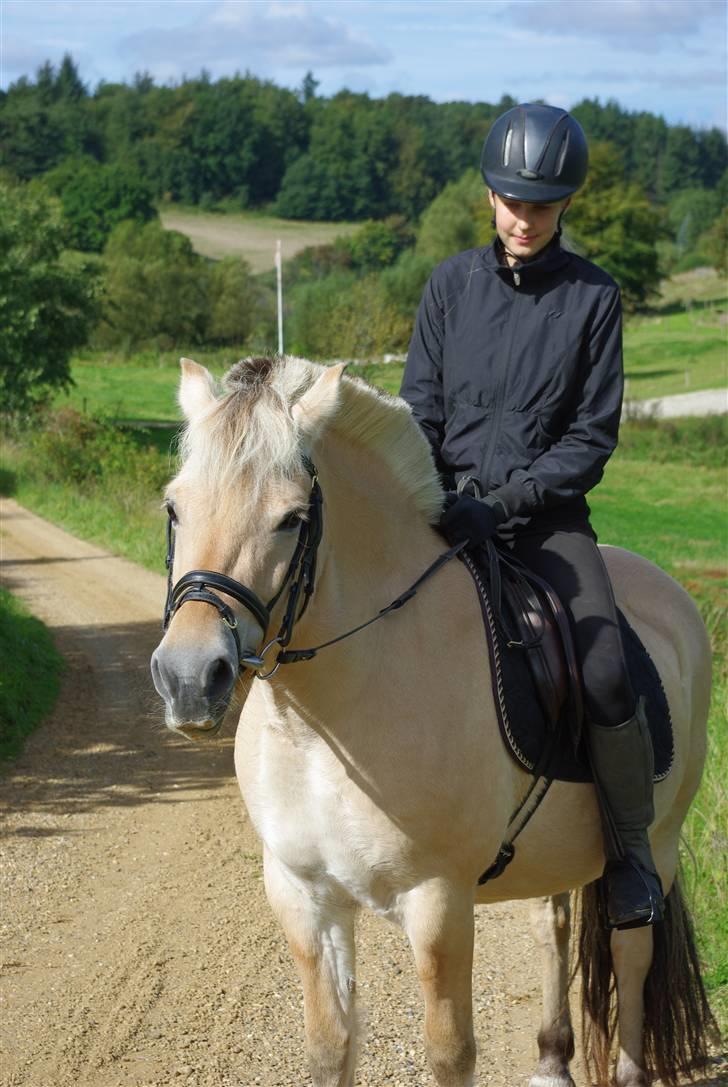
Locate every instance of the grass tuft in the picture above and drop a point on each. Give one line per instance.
(30, 677)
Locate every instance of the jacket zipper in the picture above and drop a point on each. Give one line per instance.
(500, 396)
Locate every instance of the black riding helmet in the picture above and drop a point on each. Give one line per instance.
(534, 153)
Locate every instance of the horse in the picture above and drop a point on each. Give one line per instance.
(368, 753)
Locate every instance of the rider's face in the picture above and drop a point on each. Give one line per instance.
(525, 229)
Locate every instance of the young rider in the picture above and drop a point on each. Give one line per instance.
(515, 375)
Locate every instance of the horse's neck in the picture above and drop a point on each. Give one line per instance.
(410, 694)
(377, 542)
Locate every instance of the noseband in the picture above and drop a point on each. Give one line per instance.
(203, 585)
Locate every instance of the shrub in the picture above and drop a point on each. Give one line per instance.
(342, 317)
(66, 446)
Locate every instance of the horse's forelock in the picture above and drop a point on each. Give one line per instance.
(251, 428)
(250, 374)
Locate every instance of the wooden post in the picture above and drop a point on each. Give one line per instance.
(279, 277)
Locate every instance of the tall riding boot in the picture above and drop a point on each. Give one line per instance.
(623, 764)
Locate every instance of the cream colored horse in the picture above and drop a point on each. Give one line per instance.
(375, 773)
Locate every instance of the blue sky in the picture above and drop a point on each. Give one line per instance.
(666, 56)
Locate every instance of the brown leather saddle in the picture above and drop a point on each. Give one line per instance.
(534, 620)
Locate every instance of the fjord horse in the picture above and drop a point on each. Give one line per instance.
(373, 769)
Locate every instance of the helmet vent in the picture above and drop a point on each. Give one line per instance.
(562, 154)
(507, 146)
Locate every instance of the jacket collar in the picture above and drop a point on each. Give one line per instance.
(544, 264)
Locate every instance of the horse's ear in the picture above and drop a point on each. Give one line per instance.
(196, 389)
(320, 402)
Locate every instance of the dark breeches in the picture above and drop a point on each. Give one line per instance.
(570, 561)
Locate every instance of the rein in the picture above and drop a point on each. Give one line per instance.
(201, 585)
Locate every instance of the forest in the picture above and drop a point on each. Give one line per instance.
(247, 142)
(85, 172)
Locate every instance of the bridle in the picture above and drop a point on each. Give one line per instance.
(300, 578)
(201, 585)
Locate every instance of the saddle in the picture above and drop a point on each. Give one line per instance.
(534, 620)
(536, 677)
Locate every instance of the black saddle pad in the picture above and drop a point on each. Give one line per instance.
(523, 725)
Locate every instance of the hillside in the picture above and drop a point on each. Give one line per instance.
(250, 236)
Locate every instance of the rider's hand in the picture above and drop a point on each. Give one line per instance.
(468, 518)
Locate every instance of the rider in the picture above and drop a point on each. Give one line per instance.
(515, 375)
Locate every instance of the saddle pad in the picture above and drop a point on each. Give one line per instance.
(522, 723)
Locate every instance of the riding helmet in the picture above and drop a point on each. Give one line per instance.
(535, 153)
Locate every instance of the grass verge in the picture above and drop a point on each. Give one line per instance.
(30, 677)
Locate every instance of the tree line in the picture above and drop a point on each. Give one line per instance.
(86, 261)
(246, 142)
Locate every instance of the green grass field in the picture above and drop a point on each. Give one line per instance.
(680, 346)
(249, 235)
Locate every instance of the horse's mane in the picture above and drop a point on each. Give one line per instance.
(252, 425)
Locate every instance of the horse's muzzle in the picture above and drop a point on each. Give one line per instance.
(196, 687)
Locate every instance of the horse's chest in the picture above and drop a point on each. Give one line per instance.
(323, 827)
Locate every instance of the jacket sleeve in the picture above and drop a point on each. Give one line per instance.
(575, 462)
(422, 379)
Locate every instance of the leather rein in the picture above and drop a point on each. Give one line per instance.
(204, 585)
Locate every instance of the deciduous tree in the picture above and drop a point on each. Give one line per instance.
(48, 300)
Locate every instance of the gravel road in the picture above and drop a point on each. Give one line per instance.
(138, 949)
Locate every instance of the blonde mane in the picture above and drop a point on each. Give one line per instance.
(251, 427)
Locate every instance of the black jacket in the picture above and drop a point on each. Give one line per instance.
(515, 376)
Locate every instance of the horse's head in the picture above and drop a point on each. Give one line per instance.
(236, 509)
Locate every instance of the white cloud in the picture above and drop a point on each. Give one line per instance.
(645, 26)
(257, 36)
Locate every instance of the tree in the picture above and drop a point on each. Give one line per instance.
(714, 244)
(156, 289)
(690, 213)
(457, 219)
(238, 305)
(613, 224)
(96, 198)
(47, 300)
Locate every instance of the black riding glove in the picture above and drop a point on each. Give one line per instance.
(468, 518)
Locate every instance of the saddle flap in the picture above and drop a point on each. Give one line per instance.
(533, 630)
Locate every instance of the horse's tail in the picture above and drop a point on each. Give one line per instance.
(678, 1022)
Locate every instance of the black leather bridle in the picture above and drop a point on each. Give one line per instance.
(203, 586)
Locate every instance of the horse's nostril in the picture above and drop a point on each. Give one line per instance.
(219, 679)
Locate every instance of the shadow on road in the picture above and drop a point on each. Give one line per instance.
(105, 745)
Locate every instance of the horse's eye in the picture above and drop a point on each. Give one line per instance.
(171, 511)
(289, 523)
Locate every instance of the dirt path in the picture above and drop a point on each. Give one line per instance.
(137, 945)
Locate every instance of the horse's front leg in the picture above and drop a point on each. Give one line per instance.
(320, 934)
(550, 919)
(438, 919)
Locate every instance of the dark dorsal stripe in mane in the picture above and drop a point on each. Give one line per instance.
(247, 374)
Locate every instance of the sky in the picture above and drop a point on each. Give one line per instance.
(665, 56)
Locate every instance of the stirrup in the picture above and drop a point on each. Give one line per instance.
(633, 895)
